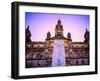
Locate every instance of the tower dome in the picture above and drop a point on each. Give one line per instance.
(59, 21)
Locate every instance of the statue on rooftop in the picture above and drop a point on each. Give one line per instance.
(69, 35)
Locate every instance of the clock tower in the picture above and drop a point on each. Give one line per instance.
(59, 29)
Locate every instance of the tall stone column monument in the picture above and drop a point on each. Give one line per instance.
(58, 56)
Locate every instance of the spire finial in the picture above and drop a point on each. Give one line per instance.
(59, 21)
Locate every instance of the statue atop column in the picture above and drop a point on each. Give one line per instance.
(48, 35)
(69, 35)
(28, 35)
(86, 36)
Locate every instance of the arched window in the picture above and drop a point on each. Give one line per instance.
(68, 62)
(82, 61)
(76, 62)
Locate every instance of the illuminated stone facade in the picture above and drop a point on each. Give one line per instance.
(39, 54)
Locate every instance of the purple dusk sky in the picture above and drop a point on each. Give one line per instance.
(41, 23)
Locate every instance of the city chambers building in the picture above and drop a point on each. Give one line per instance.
(39, 54)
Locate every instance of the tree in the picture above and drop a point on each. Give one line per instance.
(86, 36)
(28, 35)
(48, 35)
